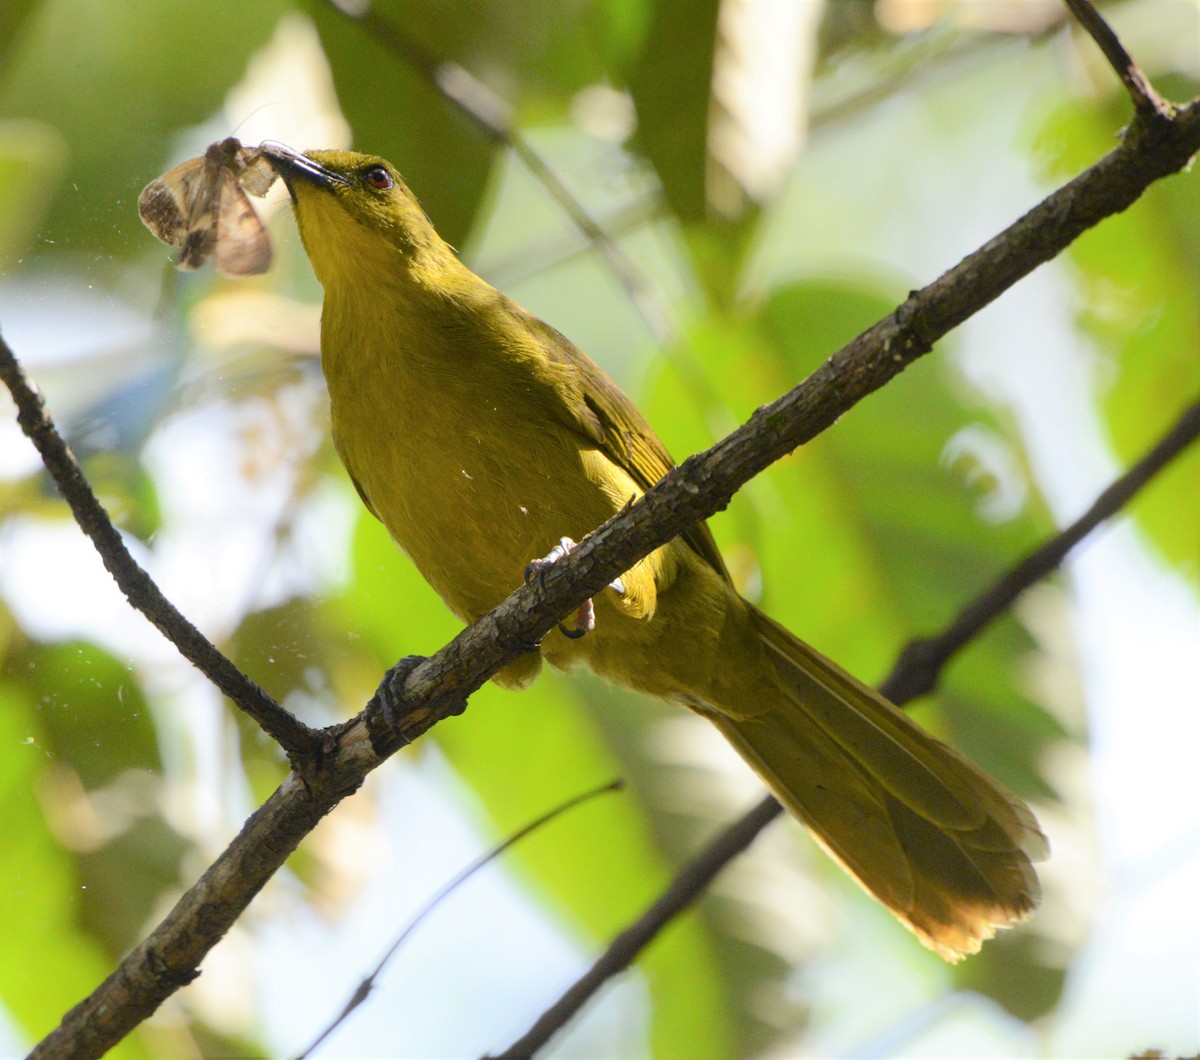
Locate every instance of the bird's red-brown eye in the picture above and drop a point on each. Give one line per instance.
(378, 177)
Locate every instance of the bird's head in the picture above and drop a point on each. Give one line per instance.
(355, 213)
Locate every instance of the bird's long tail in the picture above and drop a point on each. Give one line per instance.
(935, 839)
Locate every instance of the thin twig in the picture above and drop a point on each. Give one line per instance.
(491, 115)
(529, 260)
(1148, 103)
(701, 486)
(679, 895)
(915, 672)
(139, 588)
(364, 988)
(921, 662)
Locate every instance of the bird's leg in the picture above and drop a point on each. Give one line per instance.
(585, 615)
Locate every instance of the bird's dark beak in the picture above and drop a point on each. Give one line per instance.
(292, 165)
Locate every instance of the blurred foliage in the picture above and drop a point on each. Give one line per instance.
(876, 532)
(52, 955)
(410, 121)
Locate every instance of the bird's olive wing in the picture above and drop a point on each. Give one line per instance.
(597, 408)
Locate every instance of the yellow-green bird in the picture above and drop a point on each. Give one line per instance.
(480, 436)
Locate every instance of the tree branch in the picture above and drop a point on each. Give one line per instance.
(915, 673)
(921, 661)
(705, 482)
(683, 890)
(139, 588)
(169, 957)
(702, 485)
(1149, 104)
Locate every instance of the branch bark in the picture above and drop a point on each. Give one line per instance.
(1149, 104)
(702, 485)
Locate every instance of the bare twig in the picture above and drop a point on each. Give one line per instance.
(139, 588)
(915, 673)
(920, 663)
(702, 485)
(531, 259)
(473, 98)
(683, 890)
(1149, 104)
(363, 990)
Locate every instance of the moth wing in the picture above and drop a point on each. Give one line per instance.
(258, 174)
(200, 206)
(178, 209)
(243, 247)
(198, 242)
(161, 211)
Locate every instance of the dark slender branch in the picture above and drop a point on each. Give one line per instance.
(702, 485)
(138, 587)
(679, 895)
(535, 259)
(916, 672)
(364, 988)
(921, 662)
(473, 98)
(1149, 104)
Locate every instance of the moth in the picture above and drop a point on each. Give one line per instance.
(201, 206)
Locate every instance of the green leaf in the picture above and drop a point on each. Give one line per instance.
(671, 84)
(281, 647)
(920, 518)
(13, 17)
(94, 715)
(387, 606)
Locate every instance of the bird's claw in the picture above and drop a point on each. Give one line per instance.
(535, 568)
(585, 615)
(386, 709)
(585, 622)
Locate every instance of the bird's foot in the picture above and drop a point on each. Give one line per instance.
(387, 712)
(584, 619)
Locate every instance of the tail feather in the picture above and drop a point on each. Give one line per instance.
(934, 838)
